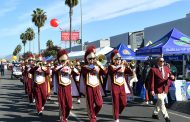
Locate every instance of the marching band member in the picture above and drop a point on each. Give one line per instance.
(117, 74)
(24, 75)
(63, 72)
(49, 80)
(29, 79)
(76, 76)
(54, 77)
(40, 74)
(91, 73)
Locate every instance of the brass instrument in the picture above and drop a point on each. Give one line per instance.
(101, 60)
(39, 63)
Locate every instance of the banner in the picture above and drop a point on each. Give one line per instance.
(180, 86)
(65, 36)
(188, 90)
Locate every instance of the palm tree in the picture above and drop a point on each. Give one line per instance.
(17, 50)
(38, 18)
(71, 4)
(30, 35)
(24, 40)
(49, 44)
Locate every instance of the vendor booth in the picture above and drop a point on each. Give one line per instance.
(173, 43)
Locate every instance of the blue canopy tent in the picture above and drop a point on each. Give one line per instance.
(49, 58)
(127, 54)
(174, 42)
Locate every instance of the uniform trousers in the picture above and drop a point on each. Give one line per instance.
(119, 99)
(40, 95)
(30, 89)
(65, 101)
(25, 84)
(78, 88)
(93, 101)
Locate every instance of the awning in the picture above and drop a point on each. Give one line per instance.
(104, 50)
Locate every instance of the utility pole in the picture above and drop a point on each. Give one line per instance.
(81, 24)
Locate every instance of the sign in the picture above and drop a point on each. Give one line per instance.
(174, 58)
(180, 93)
(188, 90)
(65, 36)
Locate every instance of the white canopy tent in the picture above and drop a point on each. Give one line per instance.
(104, 50)
(80, 54)
(76, 54)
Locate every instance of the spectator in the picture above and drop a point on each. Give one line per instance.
(145, 79)
(2, 69)
(159, 77)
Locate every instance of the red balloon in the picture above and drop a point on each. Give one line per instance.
(54, 22)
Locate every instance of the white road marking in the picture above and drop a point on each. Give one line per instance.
(75, 116)
(168, 111)
(179, 115)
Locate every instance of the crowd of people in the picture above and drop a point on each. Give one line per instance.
(92, 79)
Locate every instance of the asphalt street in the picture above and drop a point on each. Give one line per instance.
(14, 107)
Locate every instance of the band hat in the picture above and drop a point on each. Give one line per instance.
(30, 57)
(90, 49)
(39, 58)
(63, 57)
(91, 55)
(77, 63)
(117, 55)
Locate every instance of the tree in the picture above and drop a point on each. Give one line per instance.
(17, 49)
(30, 35)
(71, 4)
(24, 40)
(38, 18)
(25, 55)
(52, 51)
(49, 44)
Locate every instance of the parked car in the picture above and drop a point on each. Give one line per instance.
(16, 71)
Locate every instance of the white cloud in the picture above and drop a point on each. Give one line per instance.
(111, 9)
(8, 6)
(96, 10)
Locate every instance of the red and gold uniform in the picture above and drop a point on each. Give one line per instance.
(28, 77)
(76, 71)
(117, 74)
(63, 73)
(92, 73)
(40, 74)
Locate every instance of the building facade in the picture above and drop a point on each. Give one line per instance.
(156, 32)
(121, 38)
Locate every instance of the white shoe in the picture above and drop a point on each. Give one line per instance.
(40, 113)
(78, 101)
(151, 102)
(147, 102)
(42, 108)
(56, 103)
(34, 100)
(117, 120)
(49, 98)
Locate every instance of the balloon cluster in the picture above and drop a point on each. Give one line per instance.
(54, 23)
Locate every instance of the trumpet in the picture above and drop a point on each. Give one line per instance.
(39, 63)
(73, 63)
(101, 59)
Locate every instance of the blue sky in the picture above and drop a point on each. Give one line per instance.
(101, 18)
